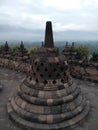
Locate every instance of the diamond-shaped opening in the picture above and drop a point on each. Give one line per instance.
(64, 74)
(35, 63)
(30, 77)
(37, 69)
(50, 75)
(57, 63)
(37, 80)
(41, 75)
(45, 82)
(34, 73)
(54, 82)
(58, 75)
(46, 69)
(42, 64)
(54, 69)
(62, 80)
(61, 68)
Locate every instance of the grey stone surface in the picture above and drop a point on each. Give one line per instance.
(91, 92)
(1, 87)
(11, 79)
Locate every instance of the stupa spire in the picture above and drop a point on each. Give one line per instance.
(49, 43)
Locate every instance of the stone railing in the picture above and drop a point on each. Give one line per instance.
(15, 64)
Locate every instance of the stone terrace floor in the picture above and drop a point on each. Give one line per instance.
(11, 79)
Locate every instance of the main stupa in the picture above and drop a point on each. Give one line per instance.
(48, 99)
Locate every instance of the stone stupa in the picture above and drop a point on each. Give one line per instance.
(48, 99)
(22, 49)
(6, 50)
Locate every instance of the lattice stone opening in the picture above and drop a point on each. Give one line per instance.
(35, 63)
(30, 78)
(62, 69)
(49, 75)
(58, 64)
(54, 69)
(62, 80)
(37, 80)
(58, 75)
(37, 68)
(64, 74)
(34, 73)
(42, 64)
(46, 69)
(45, 82)
(54, 82)
(41, 75)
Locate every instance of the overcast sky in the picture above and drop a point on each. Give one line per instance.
(71, 19)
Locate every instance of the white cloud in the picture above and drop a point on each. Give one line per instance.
(70, 4)
(63, 4)
(89, 3)
(65, 14)
(63, 27)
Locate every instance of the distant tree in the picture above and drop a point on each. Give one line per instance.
(84, 50)
(32, 50)
(15, 49)
(1, 48)
(97, 51)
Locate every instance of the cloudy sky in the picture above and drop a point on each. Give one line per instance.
(71, 19)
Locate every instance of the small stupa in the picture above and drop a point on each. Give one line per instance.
(48, 99)
(6, 49)
(71, 53)
(95, 57)
(22, 49)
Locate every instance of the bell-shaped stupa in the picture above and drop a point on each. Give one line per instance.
(48, 99)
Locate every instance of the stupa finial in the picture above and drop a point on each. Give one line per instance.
(49, 43)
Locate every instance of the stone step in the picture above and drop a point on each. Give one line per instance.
(41, 118)
(41, 126)
(49, 101)
(46, 94)
(42, 109)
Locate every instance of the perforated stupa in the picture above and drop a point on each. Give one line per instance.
(48, 99)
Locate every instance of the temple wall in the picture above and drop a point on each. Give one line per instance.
(15, 65)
